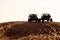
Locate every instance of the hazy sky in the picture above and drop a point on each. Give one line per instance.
(18, 10)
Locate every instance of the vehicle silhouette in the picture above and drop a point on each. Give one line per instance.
(32, 17)
(45, 16)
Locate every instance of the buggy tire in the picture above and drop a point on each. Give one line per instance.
(42, 20)
(51, 20)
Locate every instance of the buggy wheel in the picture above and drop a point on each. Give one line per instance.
(42, 20)
(51, 20)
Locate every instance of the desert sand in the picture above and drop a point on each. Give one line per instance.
(21, 30)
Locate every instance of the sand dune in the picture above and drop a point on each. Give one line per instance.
(22, 29)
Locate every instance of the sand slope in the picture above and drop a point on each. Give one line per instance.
(21, 29)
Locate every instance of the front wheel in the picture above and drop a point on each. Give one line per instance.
(51, 20)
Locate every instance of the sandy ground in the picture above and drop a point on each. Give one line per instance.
(28, 31)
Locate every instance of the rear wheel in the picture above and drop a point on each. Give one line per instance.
(42, 20)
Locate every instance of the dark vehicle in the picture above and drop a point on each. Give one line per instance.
(46, 16)
(32, 17)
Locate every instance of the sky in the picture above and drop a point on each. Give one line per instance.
(19, 10)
